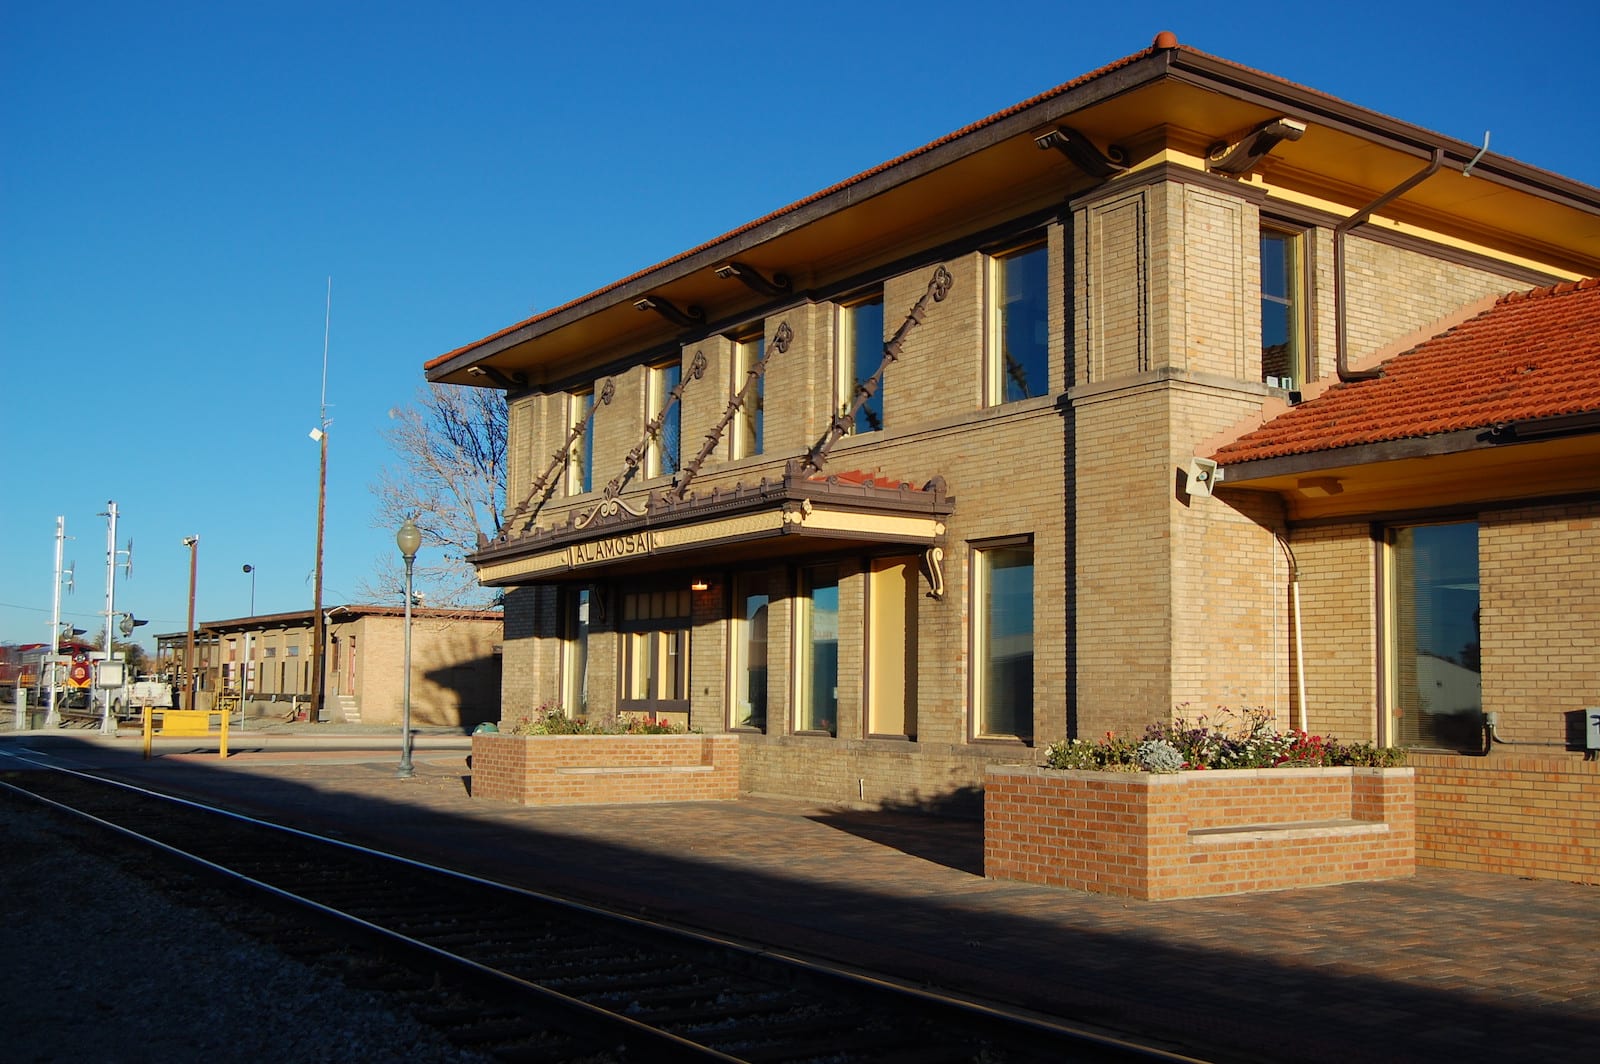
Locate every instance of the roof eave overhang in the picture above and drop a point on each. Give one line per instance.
(1210, 72)
(608, 319)
(1547, 458)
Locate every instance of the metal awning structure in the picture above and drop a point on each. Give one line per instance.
(793, 516)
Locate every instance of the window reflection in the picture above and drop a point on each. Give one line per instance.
(1437, 680)
(1021, 325)
(819, 668)
(1005, 641)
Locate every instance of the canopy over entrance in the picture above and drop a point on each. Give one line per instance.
(790, 517)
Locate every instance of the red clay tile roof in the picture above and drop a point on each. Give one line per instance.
(1531, 355)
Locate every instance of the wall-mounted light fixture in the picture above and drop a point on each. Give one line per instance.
(700, 585)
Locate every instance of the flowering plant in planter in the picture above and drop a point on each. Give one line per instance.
(1249, 739)
(548, 719)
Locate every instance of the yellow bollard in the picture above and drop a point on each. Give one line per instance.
(147, 733)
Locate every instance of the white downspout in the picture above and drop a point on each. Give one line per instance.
(1299, 642)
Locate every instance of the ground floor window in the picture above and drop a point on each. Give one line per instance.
(817, 707)
(1002, 640)
(655, 652)
(1435, 687)
(752, 604)
(575, 652)
(892, 594)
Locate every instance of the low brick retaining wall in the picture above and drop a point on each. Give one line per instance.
(1194, 834)
(1513, 814)
(605, 769)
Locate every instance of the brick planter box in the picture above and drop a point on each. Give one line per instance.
(1194, 834)
(605, 769)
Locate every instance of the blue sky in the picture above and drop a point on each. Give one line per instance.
(178, 182)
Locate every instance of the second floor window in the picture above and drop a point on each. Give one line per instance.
(1019, 325)
(860, 352)
(666, 453)
(749, 426)
(580, 463)
(1282, 310)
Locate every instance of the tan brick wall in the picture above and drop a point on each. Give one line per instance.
(940, 372)
(455, 675)
(618, 428)
(923, 776)
(1230, 601)
(1111, 303)
(1391, 292)
(708, 656)
(1218, 271)
(1540, 602)
(705, 400)
(1195, 834)
(1338, 597)
(799, 381)
(1513, 814)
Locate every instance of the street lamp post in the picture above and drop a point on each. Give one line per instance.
(244, 666)
(193, 543)
(408, 538)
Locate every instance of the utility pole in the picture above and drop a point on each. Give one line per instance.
(320, 434)
(52, 713)
(107, 725)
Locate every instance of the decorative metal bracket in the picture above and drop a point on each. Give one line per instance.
(686, 319)
(630, 466)
(1081, 150)
(780, 343)
(543, 487)
(1254, 146)
(840, 425)
(752, 279)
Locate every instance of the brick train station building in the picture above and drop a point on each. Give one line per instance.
(1173, 387)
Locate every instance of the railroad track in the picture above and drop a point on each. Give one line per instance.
(519, 976)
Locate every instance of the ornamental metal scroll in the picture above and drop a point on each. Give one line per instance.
(780, 343)
(545, 485)
(630, 466)
(938, 287)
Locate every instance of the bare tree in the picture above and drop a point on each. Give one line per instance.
(450, 475)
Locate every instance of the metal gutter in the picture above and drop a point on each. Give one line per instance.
(1341, 337)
